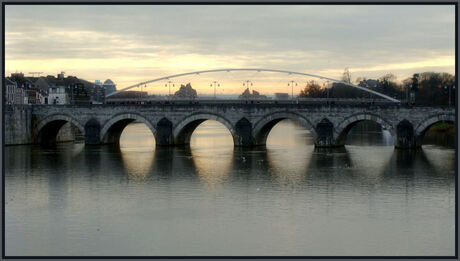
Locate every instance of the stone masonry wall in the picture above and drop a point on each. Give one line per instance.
(23, 122)
(18, 126)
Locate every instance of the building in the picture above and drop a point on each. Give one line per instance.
(98, 93)
(13, 93)
(56, 88)
(58, 94)
(370, 83)
(79, 94)
(281, 96)
(42, 96)
(19, 96)
(109, 86)
(29, 92)
(10, 91)
(254, 95)
(64, 90)
(186, 92)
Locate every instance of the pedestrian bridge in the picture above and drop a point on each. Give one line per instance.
(249, 122)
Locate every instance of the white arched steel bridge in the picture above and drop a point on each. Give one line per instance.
(258, 70)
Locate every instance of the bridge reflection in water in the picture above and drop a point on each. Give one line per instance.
(260, 201)
(287, 158)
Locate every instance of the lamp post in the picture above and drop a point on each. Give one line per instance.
(326, 85)
(247, 85)
(453, 87)
(169, 85)
(291, 83)
(407, 92)
(370, 95)
(449, 91)
(215, 84)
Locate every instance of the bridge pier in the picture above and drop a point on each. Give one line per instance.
(405, 137)
(164, 133)
(242, 136)
(325, 134)
(92, 132)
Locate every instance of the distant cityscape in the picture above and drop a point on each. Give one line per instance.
(426, 88)
(60, 89)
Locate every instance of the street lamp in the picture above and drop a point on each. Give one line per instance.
(247, 85)
(449, 90)
(215, 84)
(453, 87)
(169, 85)
(326, 85)
(291, 83)
(367, 86)
(407, 92)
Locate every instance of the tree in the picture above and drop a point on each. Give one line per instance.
(346, 77)
(415, 82)
(312, 90)
(432, 88)
(389, 86)
(360, 79)
(388, 78)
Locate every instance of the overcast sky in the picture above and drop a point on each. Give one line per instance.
(130, 44)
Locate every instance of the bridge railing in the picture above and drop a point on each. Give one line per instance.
(261, 100)
(300, 101)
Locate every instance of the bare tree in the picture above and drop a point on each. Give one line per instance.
(388, 78)
(346, 77)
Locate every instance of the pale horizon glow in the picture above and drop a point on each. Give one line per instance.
(132, 44)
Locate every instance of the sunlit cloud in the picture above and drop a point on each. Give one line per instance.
(443, 62)
(131, 44)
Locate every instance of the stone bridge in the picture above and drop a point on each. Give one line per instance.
(249, 124)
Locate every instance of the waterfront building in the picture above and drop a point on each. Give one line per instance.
(64, 90)
(10, 91)
(25, 89)
(281, 96)
(79, 94)
(98, 93)
(370, 83)
(109, 86)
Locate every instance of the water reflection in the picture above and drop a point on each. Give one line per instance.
(288, 198)
(211, 148)
(216, 173)
(363, 159)
(137, 146)
(289, 151)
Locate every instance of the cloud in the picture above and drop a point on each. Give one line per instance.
(134, 41)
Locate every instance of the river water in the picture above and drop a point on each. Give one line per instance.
(213, 199)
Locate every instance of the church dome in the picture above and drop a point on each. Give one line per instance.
(108, 82)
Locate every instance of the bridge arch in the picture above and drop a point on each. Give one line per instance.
(263, 127)
(112, 129)
(342, 129)
(183, 131)
(426, 123)
(49, 127)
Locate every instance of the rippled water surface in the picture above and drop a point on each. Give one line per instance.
(212, 199)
